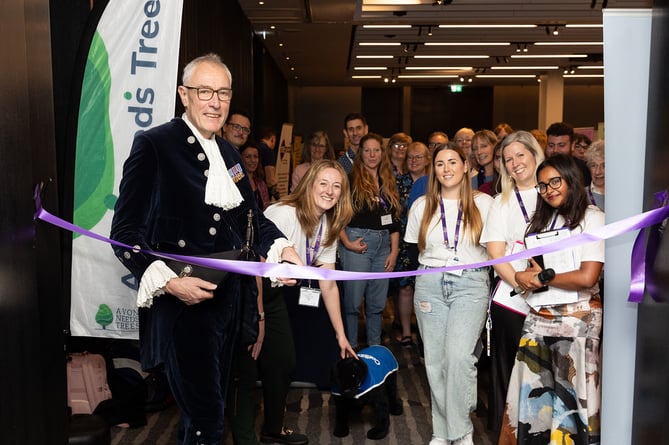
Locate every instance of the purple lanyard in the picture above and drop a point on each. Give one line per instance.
(317, 245)
(554, 221)
(592, 197)
(522, 205)
(383, 203)
(457, 226)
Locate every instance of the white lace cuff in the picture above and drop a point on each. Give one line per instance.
(153, 283)
(274, 255)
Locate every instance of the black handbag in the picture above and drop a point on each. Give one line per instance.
(216, 276)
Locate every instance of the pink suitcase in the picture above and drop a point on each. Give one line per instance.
(86, 382)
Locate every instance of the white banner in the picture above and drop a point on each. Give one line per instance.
(129, 86)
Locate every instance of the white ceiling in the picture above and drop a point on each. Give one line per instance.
(320, 42)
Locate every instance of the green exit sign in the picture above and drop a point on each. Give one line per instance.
(456, 88)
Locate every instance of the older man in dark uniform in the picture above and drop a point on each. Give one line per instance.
(184, 191)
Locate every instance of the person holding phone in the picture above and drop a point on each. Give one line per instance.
(554, 390)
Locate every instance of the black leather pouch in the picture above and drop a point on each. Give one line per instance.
(216, 276)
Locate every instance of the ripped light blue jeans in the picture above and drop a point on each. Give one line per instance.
(451, 311)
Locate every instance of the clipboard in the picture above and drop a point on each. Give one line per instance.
(501, 295)
(560, 261)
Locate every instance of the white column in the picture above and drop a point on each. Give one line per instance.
(626, 64)
(551, 99)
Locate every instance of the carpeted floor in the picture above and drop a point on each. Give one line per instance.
(311, 411)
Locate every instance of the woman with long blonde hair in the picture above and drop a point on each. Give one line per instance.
(504, 234)
(311, 217)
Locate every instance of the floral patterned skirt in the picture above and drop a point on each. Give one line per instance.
(555, 388)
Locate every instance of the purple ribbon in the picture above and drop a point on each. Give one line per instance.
(617, 228)
(644, 253)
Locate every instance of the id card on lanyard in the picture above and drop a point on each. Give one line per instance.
(453, 261)
(386, 218)
(310, 296)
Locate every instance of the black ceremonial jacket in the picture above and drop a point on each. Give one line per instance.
(161, 207)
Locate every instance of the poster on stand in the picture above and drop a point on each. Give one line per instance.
(283, 159)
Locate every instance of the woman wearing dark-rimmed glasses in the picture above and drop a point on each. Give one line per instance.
(554, 391)
(397, 152)
(419, 164)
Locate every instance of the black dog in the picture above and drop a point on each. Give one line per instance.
(370, 380)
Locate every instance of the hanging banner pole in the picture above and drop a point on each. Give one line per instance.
(129, 85)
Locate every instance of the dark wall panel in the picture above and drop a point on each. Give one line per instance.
(220, 27)
(382, 107)
(584, 105)
(32, 407)
(435, 109)
(271, 90)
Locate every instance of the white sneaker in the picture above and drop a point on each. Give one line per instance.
(465, 440)
(439, 441)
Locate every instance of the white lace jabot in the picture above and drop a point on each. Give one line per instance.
(220, 190)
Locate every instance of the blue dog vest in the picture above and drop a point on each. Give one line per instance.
(380, 364)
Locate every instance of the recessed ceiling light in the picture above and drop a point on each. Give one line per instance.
(584, 25)
(467, 43)
(454, 56)
(546, 67)
(568, 43)
(380, 43)
(506, 76)
(548, 56)
(385, 26)
(458, 68)
(489, 26)
(427, 76)
(370, 68)
(374, 57)
(365, 77)
(585, 75)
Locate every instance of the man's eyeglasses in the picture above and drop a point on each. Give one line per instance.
(224, 94)
(433, 145)
(554, 183)
(399, 146)
(415, 158)
(237, 127)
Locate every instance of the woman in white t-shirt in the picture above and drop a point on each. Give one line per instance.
(445, 224)
(554, 391)
(503, 234)
(311, 217)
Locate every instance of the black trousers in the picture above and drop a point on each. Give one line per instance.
(274, 367)
(507, 327)
(198, 367)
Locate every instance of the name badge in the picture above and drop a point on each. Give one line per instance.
(386, 220)
(454, 262)
(309, 296)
